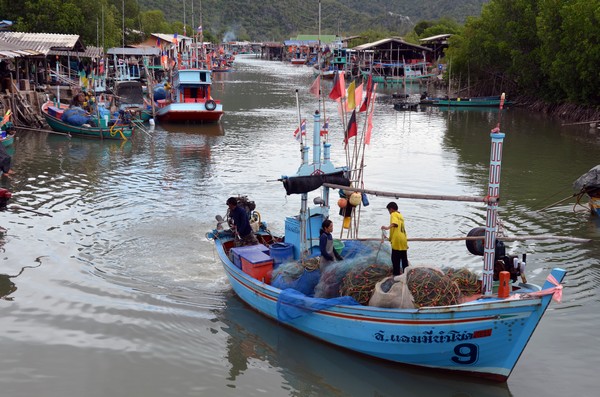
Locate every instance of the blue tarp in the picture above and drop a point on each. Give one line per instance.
(293, 304)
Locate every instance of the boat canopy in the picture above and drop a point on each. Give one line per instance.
(588, 181)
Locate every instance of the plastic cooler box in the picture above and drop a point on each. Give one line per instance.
(258, 265)
(238, 251)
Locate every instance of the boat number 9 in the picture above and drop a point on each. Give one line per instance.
(466, 353)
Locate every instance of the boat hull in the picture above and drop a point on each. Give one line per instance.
(189, 113)
(595, 205)
(119, 132)
(483, 338)
(8, 140)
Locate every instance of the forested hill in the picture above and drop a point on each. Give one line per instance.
(261, 20)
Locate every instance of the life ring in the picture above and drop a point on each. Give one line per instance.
(210, 105)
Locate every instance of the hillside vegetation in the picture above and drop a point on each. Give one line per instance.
(282, 19)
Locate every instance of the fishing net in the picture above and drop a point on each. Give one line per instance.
(431, 287)
(467, 281)
(300, 276)
(425, 286)
(364, 261)
(359, 282)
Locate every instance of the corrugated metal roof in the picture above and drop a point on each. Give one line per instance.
(170, 37)
(44, 42)
(439, 36)
(137, 51)
(370, 46)
(90, 52)
(12, 50)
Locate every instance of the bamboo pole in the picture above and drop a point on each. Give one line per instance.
(42, 130)
(581, 122)
(502, 238)
(415, 196)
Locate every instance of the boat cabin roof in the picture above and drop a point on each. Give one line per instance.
(194, 77)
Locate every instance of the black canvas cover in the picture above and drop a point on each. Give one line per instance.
(588, 181)
(305, 184)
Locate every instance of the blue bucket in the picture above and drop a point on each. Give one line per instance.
(281, 252)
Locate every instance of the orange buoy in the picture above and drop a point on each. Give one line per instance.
(342, 202)
(504, 286)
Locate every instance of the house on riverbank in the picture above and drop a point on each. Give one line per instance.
(36, 65)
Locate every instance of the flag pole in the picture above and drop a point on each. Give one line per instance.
(299, 123)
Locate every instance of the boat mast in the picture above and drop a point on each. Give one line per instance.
(491, 224)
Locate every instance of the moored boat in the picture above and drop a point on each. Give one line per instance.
(7, 140)
(103, 128)
(489, 101)
(7, 135)
(481, 334)
(588, 185)
(190, 99)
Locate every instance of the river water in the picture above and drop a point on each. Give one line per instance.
(112, 289)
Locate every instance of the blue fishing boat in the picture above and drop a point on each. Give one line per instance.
(483, 333)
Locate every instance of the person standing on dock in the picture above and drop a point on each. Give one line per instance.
(398, 239)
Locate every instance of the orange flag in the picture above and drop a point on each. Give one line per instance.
(315, 88)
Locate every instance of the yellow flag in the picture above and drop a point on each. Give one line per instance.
(351, 104)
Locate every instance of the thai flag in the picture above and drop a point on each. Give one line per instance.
(297, 134)
(199, 29)
(325, 128)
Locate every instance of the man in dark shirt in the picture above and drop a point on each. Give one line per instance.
(241, 223)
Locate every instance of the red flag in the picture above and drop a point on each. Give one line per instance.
(338, 87)
(352, 129)
(365, 104)
(315, 88)
(370, 121)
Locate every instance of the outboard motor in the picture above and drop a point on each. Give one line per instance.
(502, 261)
(5, 195)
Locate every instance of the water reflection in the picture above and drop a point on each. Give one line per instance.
(314, 368)
(7, 286)
(212, 129)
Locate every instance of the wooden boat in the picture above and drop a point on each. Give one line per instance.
(7, 136)
(588, 185)
(119, 128)
(131, 99)
(483, 336)
(490, 101)
(7, 140)
(190, 99)
(332, 62)
(298, 61)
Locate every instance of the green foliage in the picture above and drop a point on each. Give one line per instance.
(548, 49)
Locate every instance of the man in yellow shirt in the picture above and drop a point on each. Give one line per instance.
(397, 239)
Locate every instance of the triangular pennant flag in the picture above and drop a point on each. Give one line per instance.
(350, 103)
(315, 88)
(365, 104)
(352, 129)
(336, 91)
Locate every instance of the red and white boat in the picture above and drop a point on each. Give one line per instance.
(189, 100)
